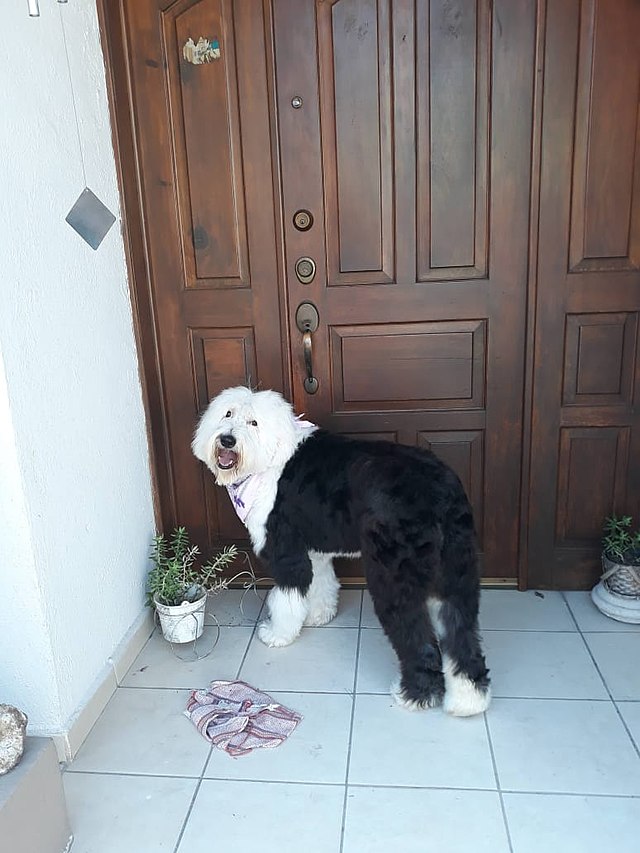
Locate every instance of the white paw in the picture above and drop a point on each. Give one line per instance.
(272, 638)
(321, 616)
(463, 699)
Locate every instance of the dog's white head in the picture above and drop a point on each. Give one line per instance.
(245, 432)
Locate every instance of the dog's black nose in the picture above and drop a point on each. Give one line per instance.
(227, 441)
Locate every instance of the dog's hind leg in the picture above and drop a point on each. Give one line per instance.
(287, 601)
(408, 626)
(454, 611)
(322, 597)
(466, 677)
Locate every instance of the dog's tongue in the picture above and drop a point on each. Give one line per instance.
(227, 458)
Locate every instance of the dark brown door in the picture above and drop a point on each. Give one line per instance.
(206, 150)
(404, 128)
(411, 148)
(585, 459)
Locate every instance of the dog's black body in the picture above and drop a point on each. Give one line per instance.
(406, 512)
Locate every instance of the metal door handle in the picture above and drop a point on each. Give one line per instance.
(310, 383)
(307, 321)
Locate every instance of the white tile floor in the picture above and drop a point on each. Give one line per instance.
(553, 766)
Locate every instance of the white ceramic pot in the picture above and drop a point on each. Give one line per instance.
(183, 623)
(617, 595)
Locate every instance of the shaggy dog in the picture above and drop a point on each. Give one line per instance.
(307, 496)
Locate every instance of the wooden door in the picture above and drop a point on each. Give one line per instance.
(206, 148)
(585, 458)
(404, 129)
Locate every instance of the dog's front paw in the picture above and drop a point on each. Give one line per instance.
(272, 638)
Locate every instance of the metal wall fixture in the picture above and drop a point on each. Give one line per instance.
(34, 7)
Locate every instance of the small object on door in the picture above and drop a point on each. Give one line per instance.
(202, 52)
(90, 218)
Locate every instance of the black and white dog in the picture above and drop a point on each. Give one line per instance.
(307, 496)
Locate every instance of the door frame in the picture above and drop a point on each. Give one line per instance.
(119, 95)
(121, 110)
(113, 36)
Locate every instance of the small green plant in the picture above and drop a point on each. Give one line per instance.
(621, 543)
(175, 577)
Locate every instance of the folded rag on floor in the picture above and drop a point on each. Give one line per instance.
(237, 718)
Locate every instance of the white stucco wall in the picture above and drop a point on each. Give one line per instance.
(23, 626)
(77, 491)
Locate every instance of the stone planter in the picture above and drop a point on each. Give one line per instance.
(617, 594)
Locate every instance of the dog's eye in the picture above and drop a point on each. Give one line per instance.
(228, 415)
(254, 423)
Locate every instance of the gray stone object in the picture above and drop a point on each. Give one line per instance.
(13, 725)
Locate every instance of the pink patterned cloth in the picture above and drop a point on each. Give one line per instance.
(237, 718)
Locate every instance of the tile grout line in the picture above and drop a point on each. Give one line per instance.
(635, 746)
(189, 810)
(497, 778)
(251, 638)
(381, 692)
(208, 759)
(134, 775)
(353, 714)
(365, 785)
(596, 794)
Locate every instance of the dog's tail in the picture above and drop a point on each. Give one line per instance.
(460, 551)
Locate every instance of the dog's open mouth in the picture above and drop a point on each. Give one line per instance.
(226, 458)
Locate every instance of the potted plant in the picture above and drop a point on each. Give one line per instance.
(618, 592)
(178, 588)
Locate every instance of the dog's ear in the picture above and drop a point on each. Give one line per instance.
(202, 444)
(203, 439)
(286, 437)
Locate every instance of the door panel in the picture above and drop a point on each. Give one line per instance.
(356, 117)
(421, 316)
(431, 365)
(585, 431)
(208, 149)
(464, 452)
(205, 152)
(453, 66)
